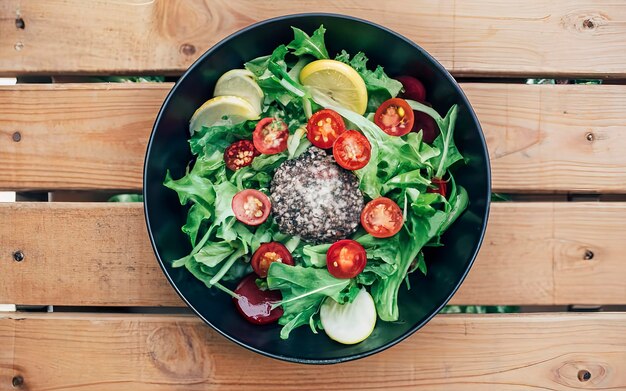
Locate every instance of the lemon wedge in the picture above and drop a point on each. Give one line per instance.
(349, 323)
(337, 80)
(213, 110)
(241, 83)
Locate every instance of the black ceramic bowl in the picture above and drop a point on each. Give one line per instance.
(168, 149)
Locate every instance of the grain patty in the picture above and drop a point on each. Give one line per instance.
(314, 198)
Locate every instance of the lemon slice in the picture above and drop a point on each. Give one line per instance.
(349, 323)
(339, 81)
(213, 110)
(241, 83)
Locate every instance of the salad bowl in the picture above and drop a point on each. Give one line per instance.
(168, 149)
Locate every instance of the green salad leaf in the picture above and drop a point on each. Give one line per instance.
(303, 290)
(304, 44)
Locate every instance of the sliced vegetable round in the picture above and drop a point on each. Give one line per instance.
(440, 186)
(349, 323)
(394, 117)
(352, 150)
(240, 154)
(324, 127)
(270, 136)
(346, 258)
(254, 304)
(382, 218)
(251, 207)
(268, 253)
(413, 88)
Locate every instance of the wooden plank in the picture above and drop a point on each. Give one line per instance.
(78, 136)
(99, 254)
(553, 138)
(517, 37)
(454, 352)
(93, 136)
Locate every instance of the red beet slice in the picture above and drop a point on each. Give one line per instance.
(427, 124)
(413, 88)
(441, 187)
(254, 304)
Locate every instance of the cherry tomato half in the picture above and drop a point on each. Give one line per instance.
(352, 150)
(440, 186)
(270, 136)
(394, 117)
(346, 258)
(268, 253)
(240, 154)
(251, 207)
(382, 218)
(324, 127)
(413, 88)
(254, 304)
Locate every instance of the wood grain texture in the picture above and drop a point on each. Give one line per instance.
(77, 136)
(93, 136)
(99, 254)
(454, 352)
(518, 37)
(553, 138)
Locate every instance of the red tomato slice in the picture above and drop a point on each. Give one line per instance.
(268, 253)
(394, 117)
(352, 150)
(346, 258)
(382, 218)
(441, 186)
(254, 304)
(270, 136)
(240, 154)
(413, 88)
(251, 207)
(324, 127)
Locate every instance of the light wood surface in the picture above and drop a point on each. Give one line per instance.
(93, 136)
(99, 254)
(454, 352)
(78, 136)
(518, 37)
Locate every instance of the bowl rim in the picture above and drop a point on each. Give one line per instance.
(463, 99)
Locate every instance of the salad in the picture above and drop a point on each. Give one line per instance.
(316, 185)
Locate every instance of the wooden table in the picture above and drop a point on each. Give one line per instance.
(549, 145)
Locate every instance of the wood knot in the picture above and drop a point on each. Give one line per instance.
(179, 352)
(187, 49)
(584, 375)
(588, 255)
(17, 137)
(17, 381)
(583, 21)
(573, 373)
(19, 23)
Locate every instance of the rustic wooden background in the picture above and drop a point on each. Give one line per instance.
(550, 145)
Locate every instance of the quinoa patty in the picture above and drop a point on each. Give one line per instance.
(315, 198)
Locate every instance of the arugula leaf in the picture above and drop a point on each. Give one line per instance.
(303, 290)
(313, 45)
